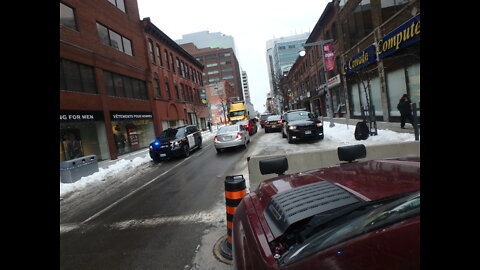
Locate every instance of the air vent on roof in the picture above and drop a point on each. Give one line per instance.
(300, 203)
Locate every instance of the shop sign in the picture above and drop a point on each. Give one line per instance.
(334, 81)
(116, 116)
(361, 60)
(81, 115)
(403, 36)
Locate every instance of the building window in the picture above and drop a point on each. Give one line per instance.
(159, 55)
(126, 87)
(120, 4)
(113, 39)
(167, 88)
(165, 53)
(183, 68)
(171, 61)
(150, 50)
(182, 91)
(67, 17)
(396, 87)
(158, 93)
(210, 57)
(178, 66)
(77, 77)
(176, 91)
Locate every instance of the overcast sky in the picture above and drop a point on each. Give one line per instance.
(250, 22)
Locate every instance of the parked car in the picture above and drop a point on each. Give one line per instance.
(273, 122)
(249, 125)
(231, 136)
(301, 124)
(176, 141)
(263, 118)
(359, 215)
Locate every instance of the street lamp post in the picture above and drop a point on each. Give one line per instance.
(327, 89)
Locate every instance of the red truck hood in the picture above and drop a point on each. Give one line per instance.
(369, 180)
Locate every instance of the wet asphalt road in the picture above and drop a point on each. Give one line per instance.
(153, 221)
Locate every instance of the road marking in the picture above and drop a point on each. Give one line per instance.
(212, 216)
(136, 190)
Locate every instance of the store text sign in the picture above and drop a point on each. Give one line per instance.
(403, 36)
(131, 115)
(80, 115)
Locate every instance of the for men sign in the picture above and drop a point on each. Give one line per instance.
(81, 116)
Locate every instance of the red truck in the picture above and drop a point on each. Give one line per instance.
(357, 215)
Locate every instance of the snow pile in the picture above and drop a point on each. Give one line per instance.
(344, 134)
(120, 166)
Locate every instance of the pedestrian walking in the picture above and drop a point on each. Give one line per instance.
(404, 106)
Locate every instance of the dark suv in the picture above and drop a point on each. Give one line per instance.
(177, 141)
(301, 124)
(359, 215)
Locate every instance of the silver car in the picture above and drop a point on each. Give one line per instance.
(231, 136)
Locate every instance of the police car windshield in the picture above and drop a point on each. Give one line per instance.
(171, 132)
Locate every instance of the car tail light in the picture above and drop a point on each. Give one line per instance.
(239, 135)
(216, 139)
(280, 122)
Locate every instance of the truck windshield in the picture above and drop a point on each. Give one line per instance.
(237, 113)
(370, 218)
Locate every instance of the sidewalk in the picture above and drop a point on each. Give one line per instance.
(393, 126)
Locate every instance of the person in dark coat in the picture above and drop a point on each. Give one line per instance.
(404, 106)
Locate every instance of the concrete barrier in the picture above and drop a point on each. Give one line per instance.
(303, 161)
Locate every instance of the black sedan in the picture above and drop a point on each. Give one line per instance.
(176, 141)
(301, 124)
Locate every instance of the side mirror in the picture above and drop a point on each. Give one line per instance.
(274, 165)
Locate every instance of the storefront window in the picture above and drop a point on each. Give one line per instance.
(413, 78)
(131, 135)
(396, 88)
(355, 101)
(82, 134)
(376, 96)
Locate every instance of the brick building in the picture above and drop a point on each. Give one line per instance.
(177, 82)
(105, 106)
(114, 96)
(306, 79)
(217, 94)
(220, 64)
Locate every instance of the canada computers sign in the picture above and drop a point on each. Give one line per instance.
(403, 36)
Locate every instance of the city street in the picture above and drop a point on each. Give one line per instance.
(155, 221)
(169, 215)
